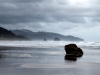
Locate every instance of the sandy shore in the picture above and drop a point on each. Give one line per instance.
(61, 66)
(46, 61)
(47, 69)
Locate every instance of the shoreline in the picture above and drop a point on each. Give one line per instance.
(25, 47)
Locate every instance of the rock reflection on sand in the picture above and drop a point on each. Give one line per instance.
(71, 57)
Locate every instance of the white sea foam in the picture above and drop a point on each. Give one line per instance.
(48, 44)
(17, 55)
(54, 53)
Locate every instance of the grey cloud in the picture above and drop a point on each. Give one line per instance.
(19, 1)
(96, 19)
(77, 19)
(53, 16)
(30, 25)
(32, 13)
(37, 12)
(94, 1)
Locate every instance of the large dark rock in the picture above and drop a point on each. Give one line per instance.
(73, 50)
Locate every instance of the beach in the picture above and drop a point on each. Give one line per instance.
(23, 60)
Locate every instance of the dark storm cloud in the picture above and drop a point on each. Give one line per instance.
(46, 12)
(19, 13)
(25, 11)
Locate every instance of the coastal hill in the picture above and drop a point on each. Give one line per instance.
(8, 35)
(45, 35)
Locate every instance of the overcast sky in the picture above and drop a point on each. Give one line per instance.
(79, 18)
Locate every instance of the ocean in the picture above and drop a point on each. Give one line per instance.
(47, 58)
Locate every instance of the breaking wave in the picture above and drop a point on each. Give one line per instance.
(49, 44)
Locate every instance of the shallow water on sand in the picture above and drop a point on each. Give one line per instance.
(47, 61)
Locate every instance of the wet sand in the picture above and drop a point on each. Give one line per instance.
(92, 69)
(46, 61)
